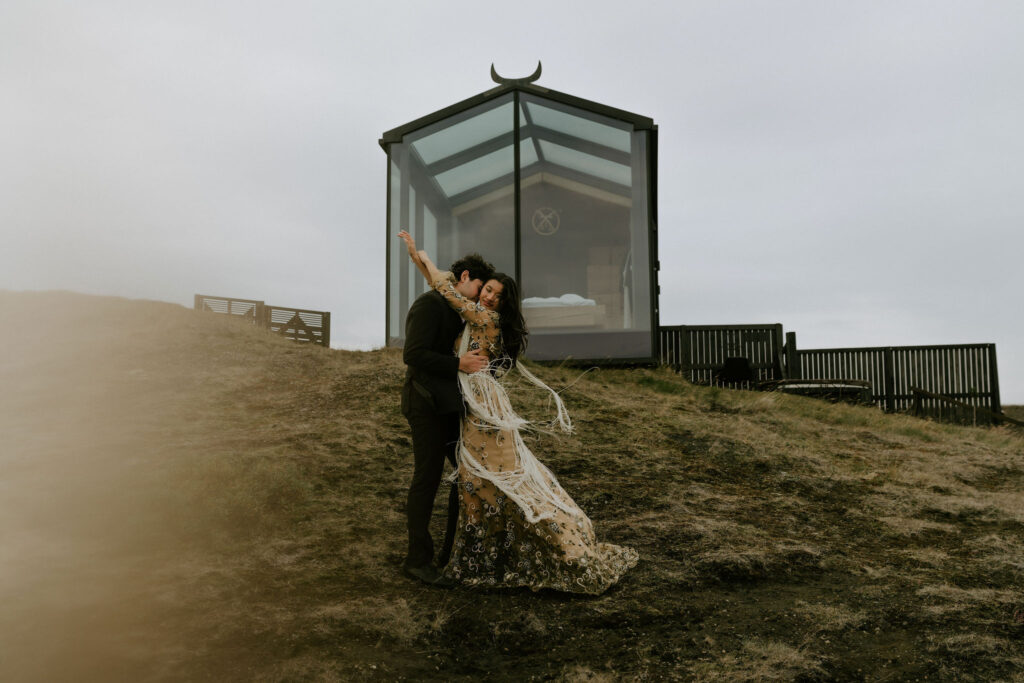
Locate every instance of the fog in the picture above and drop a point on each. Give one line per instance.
(102, 503)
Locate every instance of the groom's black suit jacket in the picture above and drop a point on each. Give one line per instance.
(431, 328)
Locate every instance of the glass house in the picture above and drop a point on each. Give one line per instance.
(558, 191)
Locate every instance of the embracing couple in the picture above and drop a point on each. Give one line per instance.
(509, 521)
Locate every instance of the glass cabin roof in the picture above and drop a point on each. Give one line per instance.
(468, 153)
(476, 172)
(464, 134)
(567, 157)
(598, 133)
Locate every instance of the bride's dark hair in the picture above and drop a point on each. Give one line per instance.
(514, 335)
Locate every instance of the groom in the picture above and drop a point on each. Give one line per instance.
(432, 404)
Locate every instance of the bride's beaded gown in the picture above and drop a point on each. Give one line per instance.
(517, 525)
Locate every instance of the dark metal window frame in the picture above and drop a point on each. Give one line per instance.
(641, 124)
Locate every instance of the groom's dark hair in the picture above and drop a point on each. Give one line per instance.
(475, 264)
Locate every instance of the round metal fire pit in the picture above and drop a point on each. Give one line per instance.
(846, 390)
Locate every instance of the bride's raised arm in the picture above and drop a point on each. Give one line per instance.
(422, 261)
(444, 283)
(415, 257)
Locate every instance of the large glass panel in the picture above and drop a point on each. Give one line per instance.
(452, 189)
(395, 258)
(585, 233)
(415, 285)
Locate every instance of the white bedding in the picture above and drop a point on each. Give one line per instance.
(564, 300)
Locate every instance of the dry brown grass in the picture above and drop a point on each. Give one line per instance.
(1016, 412)
(761, 660)
(831, 618)
(186, 497)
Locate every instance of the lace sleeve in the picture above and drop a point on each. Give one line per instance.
(472, 312)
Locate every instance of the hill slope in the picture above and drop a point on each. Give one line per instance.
(186, 497)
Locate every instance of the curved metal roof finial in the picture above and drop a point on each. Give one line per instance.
(515, 81)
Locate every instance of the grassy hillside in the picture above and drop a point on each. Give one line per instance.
(185, 497)
(1016, 412)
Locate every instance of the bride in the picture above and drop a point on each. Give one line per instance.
(517, 526)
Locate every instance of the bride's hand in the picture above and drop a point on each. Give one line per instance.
(410, 243)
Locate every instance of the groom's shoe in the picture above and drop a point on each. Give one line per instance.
(429, 575)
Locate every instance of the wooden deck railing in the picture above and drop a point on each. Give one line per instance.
(966, 372)
(700, 352)
(963, 372)
(949, 409)
(299, 324)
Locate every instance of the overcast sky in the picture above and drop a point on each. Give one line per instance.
(852, 170)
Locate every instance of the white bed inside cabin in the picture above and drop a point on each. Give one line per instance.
(568, 310)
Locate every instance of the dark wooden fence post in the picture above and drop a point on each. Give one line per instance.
(685, 367)
(778, 362)
(325, 330)
(993, 374)
(793, 370)
(890, 380)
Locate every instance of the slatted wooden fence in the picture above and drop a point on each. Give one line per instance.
(299, 324)
(248, 308)
(965, 372)
(699, 352)
(946, 409)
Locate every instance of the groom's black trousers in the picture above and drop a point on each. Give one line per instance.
(434, 439)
